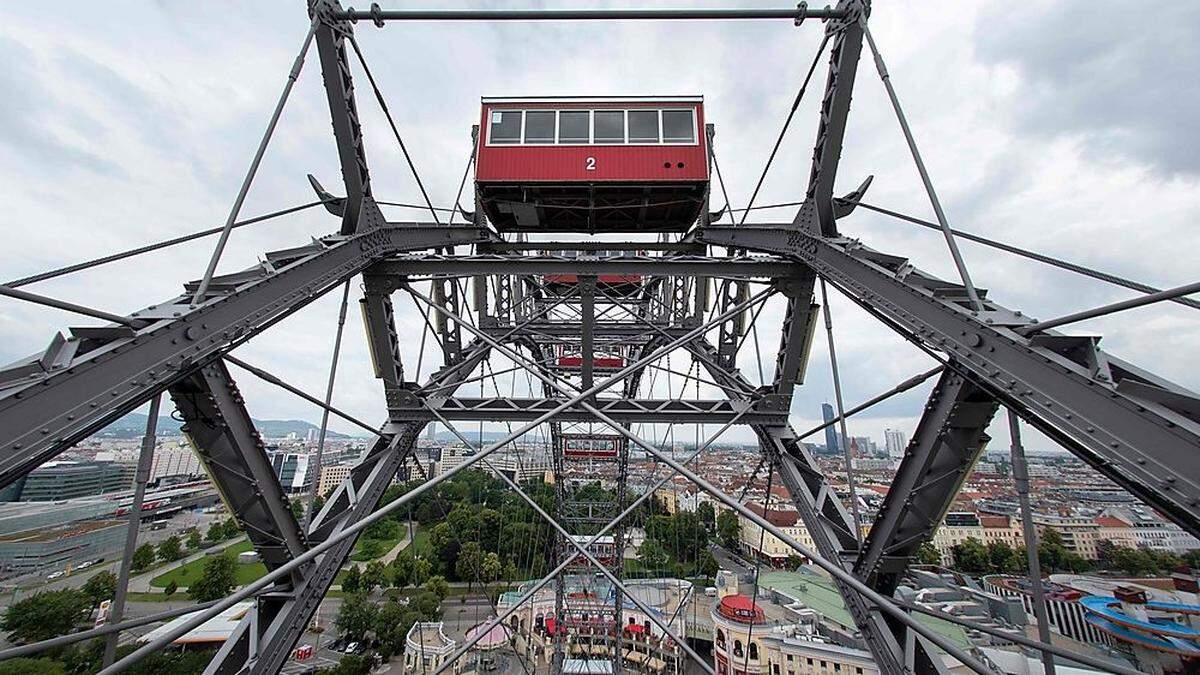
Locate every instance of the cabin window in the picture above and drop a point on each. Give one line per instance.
(574, 126)
(506, 126)
(643, 126)
(539, 126)
(678, 126)
(610, 126)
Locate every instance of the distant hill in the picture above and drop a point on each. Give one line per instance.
(133, 425)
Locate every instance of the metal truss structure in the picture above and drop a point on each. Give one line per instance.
(596, 350)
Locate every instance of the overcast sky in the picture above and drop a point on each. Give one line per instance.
(1067, 127)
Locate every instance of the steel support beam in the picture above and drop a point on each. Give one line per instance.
(284, 616)
(1139, 430)
(219, 427)
(948, 440)
(80, 384)
(719, 14)
(829, 523)
(382, 341)
(766, 410)
(751, 267)
(331, 36)
(818, 210)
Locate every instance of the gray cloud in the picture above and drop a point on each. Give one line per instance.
(1121, 77)
(24, 119)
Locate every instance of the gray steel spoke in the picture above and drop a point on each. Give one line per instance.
(841, 410)
(1025, 253)
(70, 307)
(333, 364)
(381, 15)
(293, 75)
(1169, 294)
(682, 642)
(145, 463)
(833, 567)
(898, 389)
(633, 506)
(157, 246)
(352, 530)
(1020, 472)
(916, 154)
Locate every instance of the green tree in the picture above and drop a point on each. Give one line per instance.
(402, 569)
(356, 617)
(170, 549)
(427, 604)
(728, 530)
(391, 627)
(1003, 558)
(1055, 556)
(374, 576)
(297, 508)
(193, 540)
(652, 555)
(100, 587)
(708, 516)
(170, 589)
(217, 579)
(489, 567)
(45, 615)
(350, 664)
(215, 533)
(1105, 554)
(422, 568)
(438, 586)
(143, 557)
(928, 554)
(29, 666)
(445, 544)
(352, 580)
(1134, 562)
(708, 566)
(466, 567)
(231, 528)
(510, 571)
(971, 557)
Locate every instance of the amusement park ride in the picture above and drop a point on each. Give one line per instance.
(587, 319)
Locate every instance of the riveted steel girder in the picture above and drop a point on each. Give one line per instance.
(760, 267)
(216, 422)
(284, 614)
(829, 524)
(629, 411)
(47, 403)
(949, 439)
(1139, 430)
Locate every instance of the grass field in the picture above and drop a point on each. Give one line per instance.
(420, 544)
(382, 547)
(185, 575)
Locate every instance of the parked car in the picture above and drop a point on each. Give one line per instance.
(85, 564)
(353, 648)
(56, 575)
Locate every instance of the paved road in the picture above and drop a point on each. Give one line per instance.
(731, 561)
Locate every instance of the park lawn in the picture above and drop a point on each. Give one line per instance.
(185, 575)
(385, 545)
(420, 545)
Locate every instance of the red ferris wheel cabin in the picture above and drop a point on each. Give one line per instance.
(617, 164)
